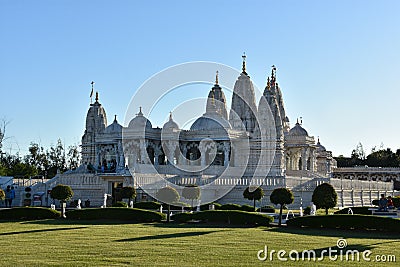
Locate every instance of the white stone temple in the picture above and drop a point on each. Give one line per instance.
(248, 144)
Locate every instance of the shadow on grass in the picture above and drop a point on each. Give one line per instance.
(198, 225)
(344, 233)
(175, 235)
(42, 230)
(77, 222)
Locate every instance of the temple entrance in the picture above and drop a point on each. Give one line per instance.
(115, 191)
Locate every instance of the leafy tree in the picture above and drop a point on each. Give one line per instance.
(57, 159)
(358, 152)
(281, 196)
(383, 158)
(191, 192)
(128, 192)
(253, 193)
(73, 157)
(169, 196)
(2, 194)
(3, 170)
(3, 137)
(324, 197)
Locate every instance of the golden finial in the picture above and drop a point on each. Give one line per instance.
(244, 63)
(140, 111)
(170, 115)
(216, 78)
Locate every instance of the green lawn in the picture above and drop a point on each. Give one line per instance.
(64, 243)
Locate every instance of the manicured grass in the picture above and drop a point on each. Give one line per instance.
(77, 243)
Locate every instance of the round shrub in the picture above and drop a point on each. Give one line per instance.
(120, 204)
(28, 195)
(28, 189)
(346, 221)
(147, 205)
(61, 192)
(119, 214)
(28, 213)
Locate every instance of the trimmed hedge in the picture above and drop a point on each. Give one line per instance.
(356, 210)
(28, 213)
(268, 209)
(123, 214)
(147, 205)
(235, 217)
(235, 207)
(342, 221)
(120, 204)
(177, 206)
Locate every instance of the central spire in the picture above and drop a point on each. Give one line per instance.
(216, 78)
(244, 63)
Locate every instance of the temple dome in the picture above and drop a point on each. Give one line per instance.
(170, 124)
(211, 122)
(115, 127)
(297, 130)
(320, 148)
(140, 122)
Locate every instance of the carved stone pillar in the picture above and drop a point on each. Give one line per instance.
(227, 148)
(143, 151)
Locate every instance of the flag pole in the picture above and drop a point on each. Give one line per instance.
(91, 93)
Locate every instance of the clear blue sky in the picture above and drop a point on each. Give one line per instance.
(338, 61)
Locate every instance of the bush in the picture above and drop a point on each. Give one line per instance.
(268, 209)
(123, 214)
(177, 206)
(235, 207)
(247, 208)
(235, 217)
(356, 210)
(120, 204)
(147, 205)
(28, 189)
(307, 210)
(342, 221)
(28, 213)
(61, 192)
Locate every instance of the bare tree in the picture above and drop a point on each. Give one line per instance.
(3, 126)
